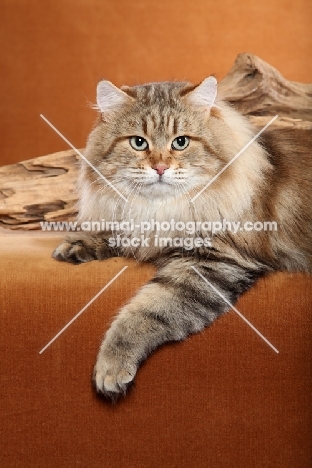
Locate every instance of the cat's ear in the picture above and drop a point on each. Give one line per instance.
(109, 97)
(204, 94)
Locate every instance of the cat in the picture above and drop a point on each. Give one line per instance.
(159, 146)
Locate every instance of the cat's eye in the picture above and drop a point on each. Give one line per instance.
(138, 143)
(180, 143)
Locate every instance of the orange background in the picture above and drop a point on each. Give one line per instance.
(54, 52)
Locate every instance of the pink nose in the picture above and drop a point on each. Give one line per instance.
(160, 168)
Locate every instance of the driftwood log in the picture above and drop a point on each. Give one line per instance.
(43, 188)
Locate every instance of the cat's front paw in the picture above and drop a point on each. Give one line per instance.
(113, 374)
(73, 252)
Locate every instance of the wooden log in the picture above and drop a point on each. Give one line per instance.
(43, 188)
(256, 88)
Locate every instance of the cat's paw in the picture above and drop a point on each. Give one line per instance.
(112, 375)
(73, 252)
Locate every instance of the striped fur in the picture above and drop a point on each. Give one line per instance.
(270, 181)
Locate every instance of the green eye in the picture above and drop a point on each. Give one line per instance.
(138, 143)
(180, 143)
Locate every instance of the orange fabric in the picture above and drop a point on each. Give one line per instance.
(222, 398)
(54, 52)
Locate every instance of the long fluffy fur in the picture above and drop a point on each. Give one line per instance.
(270, 181)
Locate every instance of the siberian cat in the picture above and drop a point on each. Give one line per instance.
(163, 147)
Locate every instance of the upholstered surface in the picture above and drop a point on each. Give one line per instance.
(223, 398)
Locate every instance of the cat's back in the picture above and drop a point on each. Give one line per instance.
(288, 195)
(290, 151)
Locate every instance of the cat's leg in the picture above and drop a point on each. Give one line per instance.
(175, 304)
(83, 247)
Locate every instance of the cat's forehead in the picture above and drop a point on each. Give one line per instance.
(158, 110)
(156, 93)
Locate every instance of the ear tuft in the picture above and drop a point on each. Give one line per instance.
(109, 97)
(205, 93)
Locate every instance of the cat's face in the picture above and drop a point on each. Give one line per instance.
(156, 139)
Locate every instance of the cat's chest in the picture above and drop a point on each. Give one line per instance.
(150, 218)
